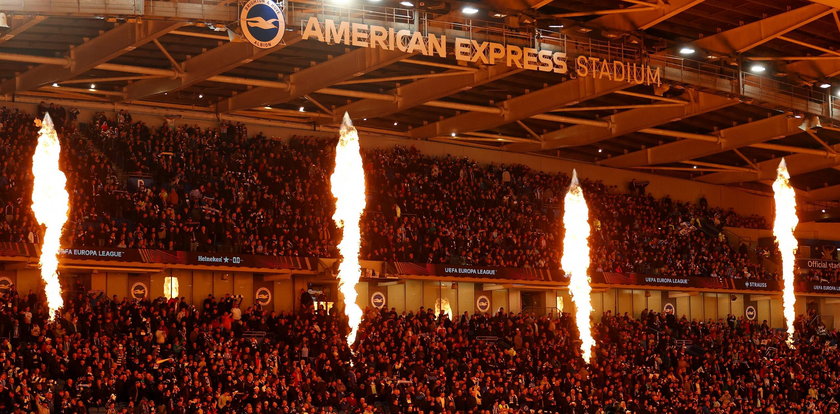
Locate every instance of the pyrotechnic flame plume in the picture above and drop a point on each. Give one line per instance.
(348, 187)
(575, 261)
(50, 203)
(783, 227)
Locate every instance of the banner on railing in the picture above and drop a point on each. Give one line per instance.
(712, 283)
(819, 264)
(429, 269)
(165, 257)
(610, 279)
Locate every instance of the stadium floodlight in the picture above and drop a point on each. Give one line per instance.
(687, 50)
(469, 10)
(406, 4)
(825, 85)
(758, 68)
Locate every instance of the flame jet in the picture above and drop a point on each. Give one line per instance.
(50, 204)
(783, 227)
(575, 261)
(348, 188)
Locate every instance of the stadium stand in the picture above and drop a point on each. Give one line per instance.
(209, 190)
(120, 355)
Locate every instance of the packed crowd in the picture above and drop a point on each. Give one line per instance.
(454, 210)
(160, 356)
(218, 189)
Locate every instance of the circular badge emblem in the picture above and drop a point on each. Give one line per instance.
(5, 284)
(139, 290)
(482, 303)
(669, 308)
(750, 313)
(262, 23)
(377, 299)
(263, 296)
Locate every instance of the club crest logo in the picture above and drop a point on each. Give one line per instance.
(139, 290)
(377, 299)
(262, 23)
(263, 296)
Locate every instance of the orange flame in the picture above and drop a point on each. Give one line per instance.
(783, 227)
(575, 261)
(50, 204)
(348, 187)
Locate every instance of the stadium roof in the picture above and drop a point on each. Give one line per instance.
(714, 118)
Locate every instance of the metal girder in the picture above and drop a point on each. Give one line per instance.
(20, 27)
(748, 36)
(199, 68)
(521, 107)
(797, 164)
(306, 81)
(633, 120)
(642, 20)
(111, 44)
(831, 193)
(424, 90)
(815, 69)
(831, 3)
(738, 136)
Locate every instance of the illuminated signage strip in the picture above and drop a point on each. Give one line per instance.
(473, 51)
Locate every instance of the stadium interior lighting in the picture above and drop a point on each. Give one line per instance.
(687, 50)
(469, 10)
(825, 85)
(406, 4)
(600, 150)
(498, 15)
(453, 134)
(55, 85)
(93, 86)
(555, 26)
(200, 96)
(757, 68)
(302, 109)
